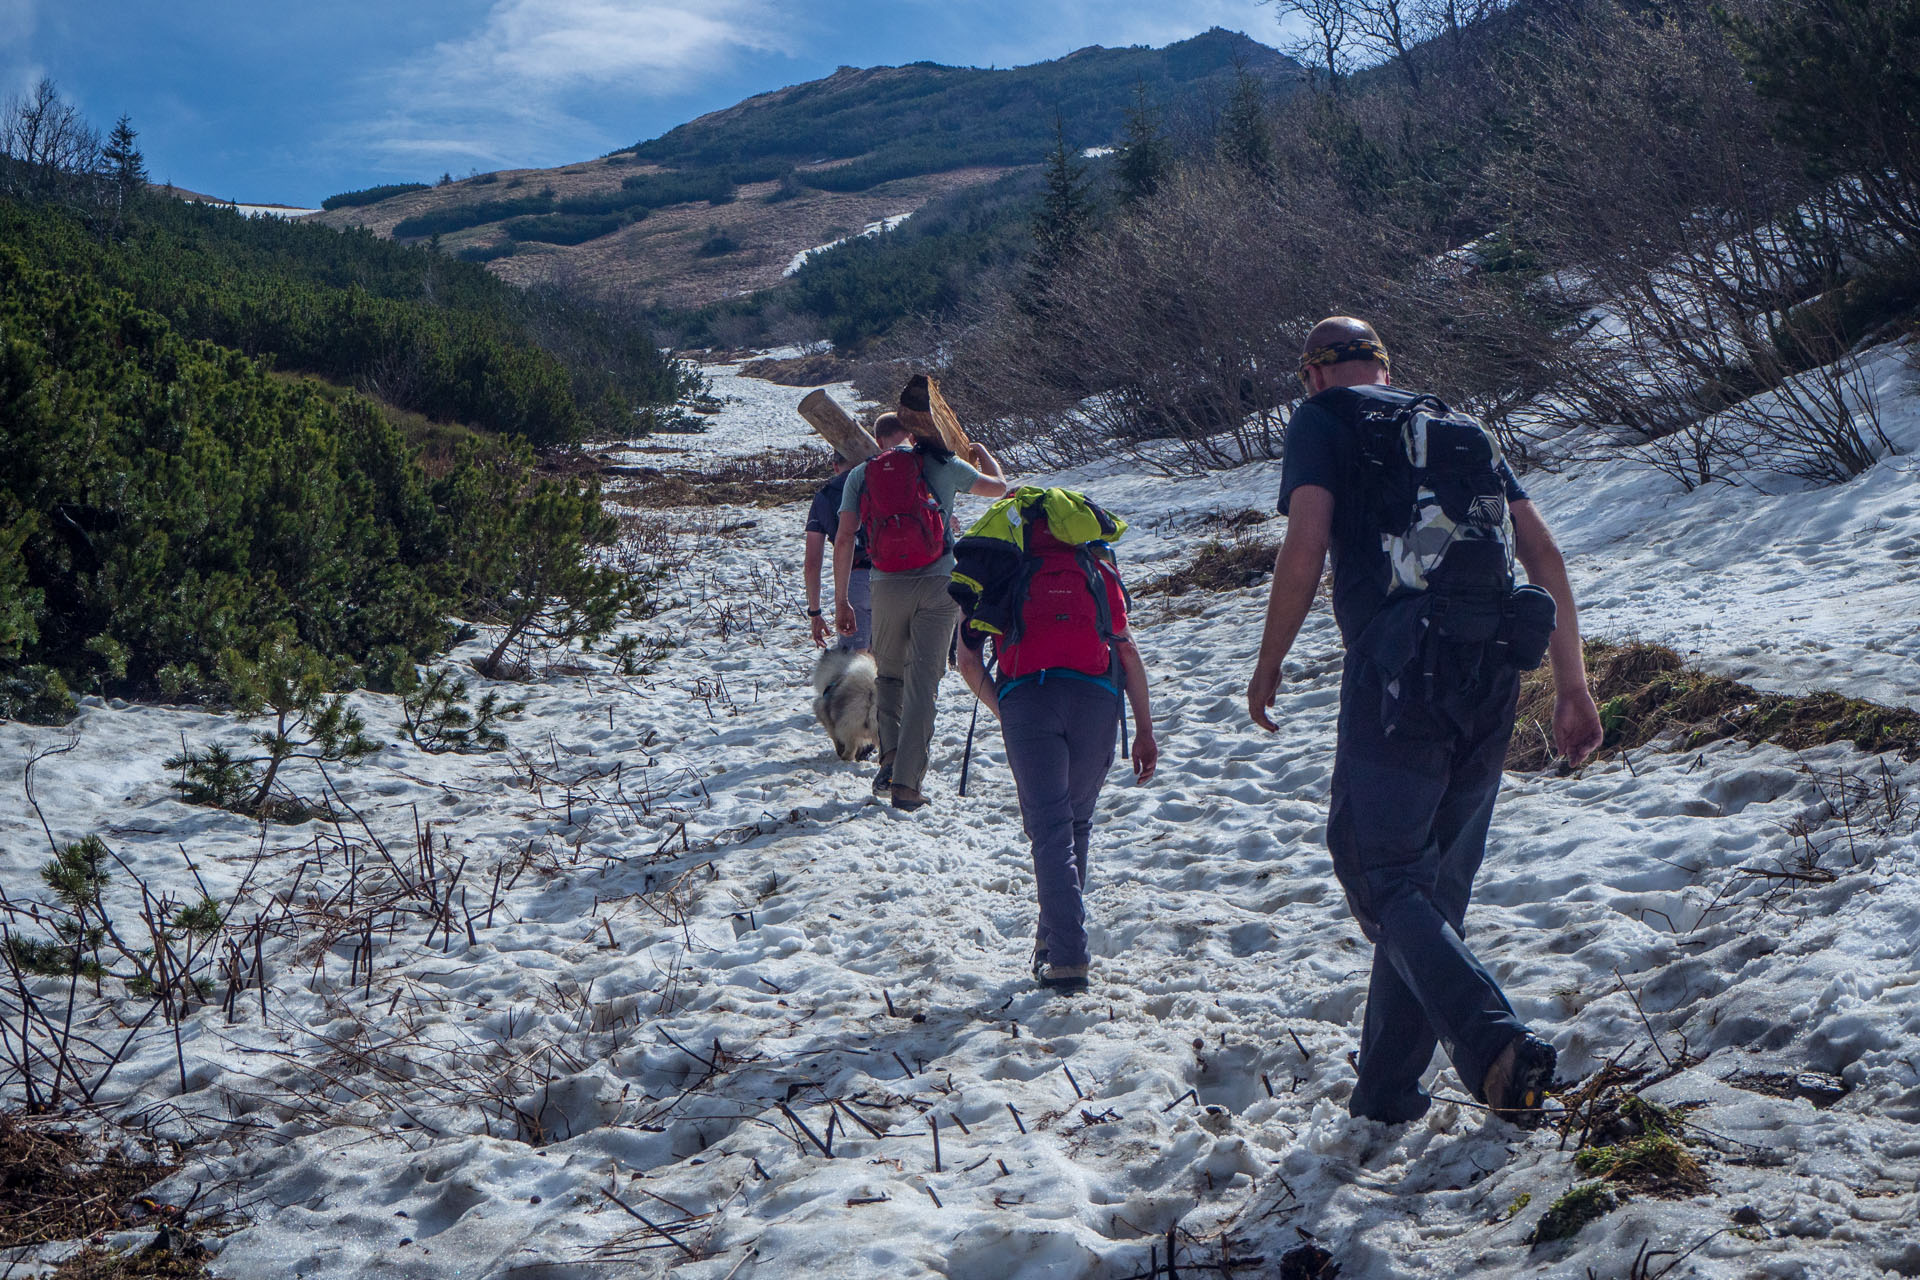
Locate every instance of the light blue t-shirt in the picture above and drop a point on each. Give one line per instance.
(945, 479)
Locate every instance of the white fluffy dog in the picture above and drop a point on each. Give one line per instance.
(845, 702)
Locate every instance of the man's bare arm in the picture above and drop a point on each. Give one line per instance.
(810, 567)
(1576, 721)
(844, 621)
(1297, 567)
(993, 478)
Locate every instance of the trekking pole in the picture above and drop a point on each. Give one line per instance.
(966, 757)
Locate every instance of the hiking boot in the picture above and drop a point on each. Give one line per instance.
(1515, 1088)
(1061, 977)
(883, 782)
(1039, 961)
(906, 799)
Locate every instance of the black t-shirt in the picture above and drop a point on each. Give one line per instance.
(1320, 450)
(824, 517)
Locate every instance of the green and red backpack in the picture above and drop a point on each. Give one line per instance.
(1035, 573)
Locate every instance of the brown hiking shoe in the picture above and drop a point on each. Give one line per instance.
(906, 799)
(1515, 1088)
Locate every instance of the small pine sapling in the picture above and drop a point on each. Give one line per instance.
(535, 580)
(635, 655)
(287, 683)
(77, 875)
(437, 717)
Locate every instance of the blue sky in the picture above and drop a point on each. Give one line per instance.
(278, 101)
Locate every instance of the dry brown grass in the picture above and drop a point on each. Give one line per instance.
(1218, 566)
(1647, 692)
(770, 479)
(56, 1184)
(174, 1257)
(816, 370)
(656, 260)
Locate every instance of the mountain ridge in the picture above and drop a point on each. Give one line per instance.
(795, 167)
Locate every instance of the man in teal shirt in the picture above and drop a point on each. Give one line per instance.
(913, 616)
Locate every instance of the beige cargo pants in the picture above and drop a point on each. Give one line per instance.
(913, 622)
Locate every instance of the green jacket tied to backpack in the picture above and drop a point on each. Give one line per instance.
(992, 563)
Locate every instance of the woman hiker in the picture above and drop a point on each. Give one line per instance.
(1057, 697)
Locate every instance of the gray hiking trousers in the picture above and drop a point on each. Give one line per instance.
(860, 596)
(1060, 734)
(1407, 830)
(913, 622)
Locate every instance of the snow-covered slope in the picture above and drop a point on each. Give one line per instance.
(709, 956)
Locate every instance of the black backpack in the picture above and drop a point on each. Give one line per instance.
(1435, 486)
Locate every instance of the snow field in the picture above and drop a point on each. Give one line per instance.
(727, 940)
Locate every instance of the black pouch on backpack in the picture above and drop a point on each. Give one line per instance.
(985, 575)
(1526, 625)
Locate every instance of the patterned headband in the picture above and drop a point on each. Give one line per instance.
(1340, 352)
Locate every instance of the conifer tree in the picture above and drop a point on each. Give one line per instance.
(524, 554)
(125, 167)
(1246, 136)
(1065, 214)
(1144, 156)
(1797, 55)
(287, 683)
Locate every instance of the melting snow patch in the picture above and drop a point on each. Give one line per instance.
(662, 990)
(874, 228)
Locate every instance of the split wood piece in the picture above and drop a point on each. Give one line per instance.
(851, 440)
(938, 420)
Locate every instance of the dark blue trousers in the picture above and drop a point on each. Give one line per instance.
(1407, 830)
(1060, 736)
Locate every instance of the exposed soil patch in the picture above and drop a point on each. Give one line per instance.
(1817, 1087)
(172, 1255)
(816, 370)
(1648, 692)
(769, 479)
(56, 1184)
(1217, 566)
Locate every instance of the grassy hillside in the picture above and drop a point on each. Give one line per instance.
(717, 208)
(893, 122)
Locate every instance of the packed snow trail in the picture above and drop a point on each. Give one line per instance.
(727, 959)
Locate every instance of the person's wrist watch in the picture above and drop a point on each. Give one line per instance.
(814, 613)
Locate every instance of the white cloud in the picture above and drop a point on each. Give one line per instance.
(18, 70)
(501, 94)
(549, 45)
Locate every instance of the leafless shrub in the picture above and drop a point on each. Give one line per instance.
(46, 145)
(1711, 342)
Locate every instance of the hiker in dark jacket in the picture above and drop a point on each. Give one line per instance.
(913, 616)
(1058, 703)
(823, 525)
(1423, 731)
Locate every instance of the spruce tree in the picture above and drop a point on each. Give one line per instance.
(1065, 214)
(1246, 137)
(1144, 156)
(125, 167)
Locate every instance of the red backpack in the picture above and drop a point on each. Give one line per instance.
(905, 527)
(1066, 616)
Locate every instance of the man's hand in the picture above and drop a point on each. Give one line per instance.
(1261, 691)
(1146, 754)
(818, 624)
(843, 620)
(1577, 732)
